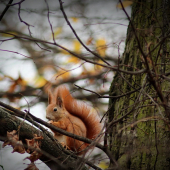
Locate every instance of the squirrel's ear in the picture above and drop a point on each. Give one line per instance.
(49, 97)
(59, 102)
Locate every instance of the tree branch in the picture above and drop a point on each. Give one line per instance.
(31, 117)
(9, 122)
(113, 68)
(6, 9)
(54, 155)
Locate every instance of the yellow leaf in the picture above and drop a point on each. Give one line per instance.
(74, 19)
(57, 32)
(73, 59)
(40, 81)
(65, 52)
(77, 46)
(62, 74)
(125, 3)
(98, 67)
(103, 165)
(8, 35)
(101, 47)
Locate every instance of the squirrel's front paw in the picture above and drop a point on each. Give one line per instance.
(65, 146)
(51, 121)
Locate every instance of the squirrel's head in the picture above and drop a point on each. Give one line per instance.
(55, 110)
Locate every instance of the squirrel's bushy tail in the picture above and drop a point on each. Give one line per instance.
(80, 109)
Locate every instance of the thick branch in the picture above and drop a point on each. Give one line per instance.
(30, 118)
(9, 122)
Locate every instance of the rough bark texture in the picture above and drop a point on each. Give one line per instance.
(144, 143)
(9, 123)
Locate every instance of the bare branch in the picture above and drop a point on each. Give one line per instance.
(114, 68)
(78, 38)
(6, 9)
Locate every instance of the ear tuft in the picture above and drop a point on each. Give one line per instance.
(49, 97)
(59, 102)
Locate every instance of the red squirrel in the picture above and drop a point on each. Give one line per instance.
(72, 115)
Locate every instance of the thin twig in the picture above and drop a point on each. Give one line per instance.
(78, 38)
(101, 96)
(76, 55)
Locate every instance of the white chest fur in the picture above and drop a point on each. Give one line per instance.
(61, 138)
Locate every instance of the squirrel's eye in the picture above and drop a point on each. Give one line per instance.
(55, 109)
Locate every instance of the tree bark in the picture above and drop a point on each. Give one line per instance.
(141, 137)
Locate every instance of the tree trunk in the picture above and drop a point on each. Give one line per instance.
(141, 138)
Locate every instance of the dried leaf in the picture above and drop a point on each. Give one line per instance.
(19, 82)
(33, 143)
(12, 137)
(12, 88)
(34, 147)
(36, 137)
(19, 147)
(31, 166)
(89, 41)
(6, 143)
(34, 155)
(13, 140)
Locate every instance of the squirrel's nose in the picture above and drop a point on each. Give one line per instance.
(47, 117)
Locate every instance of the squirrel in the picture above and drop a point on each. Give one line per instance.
(72, 115)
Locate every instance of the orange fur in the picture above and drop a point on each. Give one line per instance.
(73, 116)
